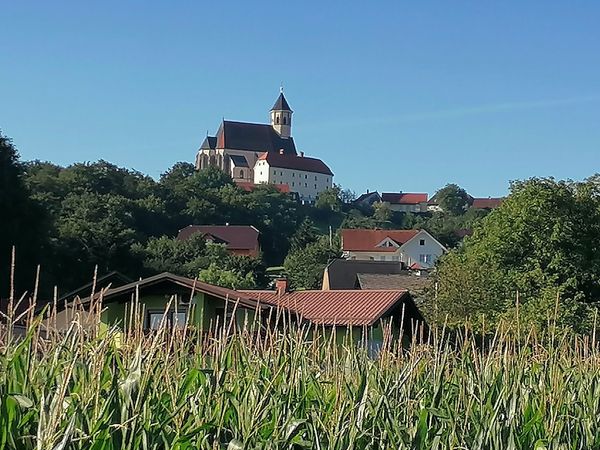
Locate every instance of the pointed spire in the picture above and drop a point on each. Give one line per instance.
(281, 103)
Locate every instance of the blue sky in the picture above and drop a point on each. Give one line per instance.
(392, 95)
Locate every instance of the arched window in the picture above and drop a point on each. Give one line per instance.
(277, 120)
(284, 120)
(241, 173)
(212, 161)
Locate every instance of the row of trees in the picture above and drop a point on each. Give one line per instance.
(540, 246)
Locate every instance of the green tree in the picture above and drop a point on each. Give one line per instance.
(453, 199)
(22, 221)
(382, 212)
(542, 243)
(305, 266)
(305, 235)
(231, 279)
(330, 199)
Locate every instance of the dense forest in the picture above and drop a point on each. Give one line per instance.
(72, 220)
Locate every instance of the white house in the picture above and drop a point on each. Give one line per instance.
(412, 247)
(304, 176)
(406, 201)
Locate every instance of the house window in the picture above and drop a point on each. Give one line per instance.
(169, 319)
(293, 175)
(292, 184)
(382, 258)
(371, 258)
(395, 258)
(241, 174)
(425, 259)
(306, 177)
(315, 178)
(315, 186)
(422, 242)
(305, 184)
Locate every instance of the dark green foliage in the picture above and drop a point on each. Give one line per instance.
(543, 243)
(21, 222)
(305, 266)
(453, 199)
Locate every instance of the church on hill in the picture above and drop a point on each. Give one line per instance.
(265, 153)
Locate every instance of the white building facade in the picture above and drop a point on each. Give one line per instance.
(307, 177)
(412, 247)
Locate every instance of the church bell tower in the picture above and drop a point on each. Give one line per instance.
(281, 116)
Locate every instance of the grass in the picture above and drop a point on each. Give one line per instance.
(83, 389)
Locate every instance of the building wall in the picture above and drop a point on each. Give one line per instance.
(307, 185)
(419, 207)
(218, 158)
(408, 253)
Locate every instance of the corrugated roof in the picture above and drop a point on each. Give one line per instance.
(255, 137)
(404, 198)
(367, 240)
(295, 162)
(347, 308)
(237, 237)
(197, 286)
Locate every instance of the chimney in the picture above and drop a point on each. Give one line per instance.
(281, 285)
(281, 151)
(301, 154)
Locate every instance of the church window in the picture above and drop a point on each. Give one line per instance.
(315, 178)
(277, 120)
(241, 174)
(305, 177)
(293, 174)
(284, 120)
(315, 186)
(305, 184)
(293, 184)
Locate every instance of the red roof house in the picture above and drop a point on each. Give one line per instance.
(406, 201)
(240, 240)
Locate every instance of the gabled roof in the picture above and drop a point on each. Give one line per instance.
(295, 162)
(237, 237)
(209, 143)
(345, 308)
(341, 273)
(368, 197)
(362, 240)
(254, 137)
(122, 292)
(486, 203)
(404, 198)
(281, 104)
(114, 279)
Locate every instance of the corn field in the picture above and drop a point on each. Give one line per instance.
(294, 389)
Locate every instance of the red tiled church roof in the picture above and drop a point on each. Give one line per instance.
(367, 240)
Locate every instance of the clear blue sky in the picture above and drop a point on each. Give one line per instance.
(392, 95)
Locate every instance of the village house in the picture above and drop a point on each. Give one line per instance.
(303, 175)
(265, 153)
(405, 201)
(241, 240)
(414, 248)
(172, 301)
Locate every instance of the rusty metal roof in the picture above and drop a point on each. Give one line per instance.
(344, 307)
